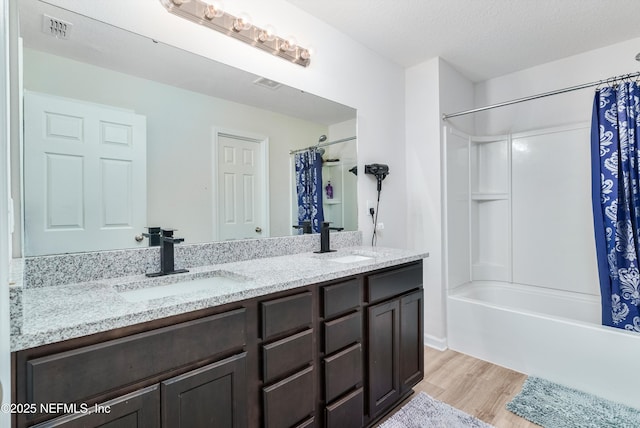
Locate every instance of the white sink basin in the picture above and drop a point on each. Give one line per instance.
(138, 292)
(351, 258)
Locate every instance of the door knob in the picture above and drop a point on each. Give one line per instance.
(139, 238)
(259, 229)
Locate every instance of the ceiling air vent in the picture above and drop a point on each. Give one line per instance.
(267, 83)
(56, 27)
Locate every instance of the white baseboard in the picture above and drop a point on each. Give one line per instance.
(439, 343)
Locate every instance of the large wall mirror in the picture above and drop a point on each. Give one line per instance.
(122, 132)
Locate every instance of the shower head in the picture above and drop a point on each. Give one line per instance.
(322, 139)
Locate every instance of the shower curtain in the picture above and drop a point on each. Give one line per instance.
(615, 163)
(309, 188)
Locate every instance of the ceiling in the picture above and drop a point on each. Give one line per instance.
(481, 38)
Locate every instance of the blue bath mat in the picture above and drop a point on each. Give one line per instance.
(555, 406)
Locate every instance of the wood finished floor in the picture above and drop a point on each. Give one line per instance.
(474, 386)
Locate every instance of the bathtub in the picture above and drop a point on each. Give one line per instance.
(547, 333)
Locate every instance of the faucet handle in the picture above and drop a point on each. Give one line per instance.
(325, 225)
(167, 236)
(168, 232)
(153, 235)
(305, 226)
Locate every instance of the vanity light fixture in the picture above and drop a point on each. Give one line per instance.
(211, 15)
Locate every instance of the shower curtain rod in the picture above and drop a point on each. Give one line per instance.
(322, 145)
(545, 94)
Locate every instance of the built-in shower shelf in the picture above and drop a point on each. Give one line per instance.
(332, 201)
(489, 196)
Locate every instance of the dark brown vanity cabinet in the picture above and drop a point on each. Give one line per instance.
(395, 336)
(151, 374)
(336, 354)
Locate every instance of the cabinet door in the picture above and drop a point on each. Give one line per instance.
(139, 409)
(213, 396)
(411, 340)
(383, 364)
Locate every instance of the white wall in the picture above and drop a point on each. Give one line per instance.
(179, 139)
(556, 110)
(341, 70)
(432, 88)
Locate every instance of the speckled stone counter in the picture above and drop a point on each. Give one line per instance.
(50, 314)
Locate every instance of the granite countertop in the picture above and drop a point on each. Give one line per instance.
(51, 314)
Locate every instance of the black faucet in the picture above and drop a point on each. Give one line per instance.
(305, 226)
(166, 254)
(153, 235)
(325, 246)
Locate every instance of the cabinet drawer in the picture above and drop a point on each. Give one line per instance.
(74, 376)
(288, 313)
(346, 412)
(394, 282)
(342, 371)
(340, 298)
(342, 332)
(287, 355)
(137, 409)
(290, 401)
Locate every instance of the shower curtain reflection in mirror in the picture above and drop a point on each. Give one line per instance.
(309, 188)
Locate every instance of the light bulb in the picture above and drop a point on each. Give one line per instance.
(242, 22)
(305, 54)
(289, 44)
(268, 33)
(213, 10)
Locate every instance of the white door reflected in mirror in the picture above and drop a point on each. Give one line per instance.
(242, 185)
(85, 175)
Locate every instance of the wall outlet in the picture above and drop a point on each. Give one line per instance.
(380, 226)
(370, 204)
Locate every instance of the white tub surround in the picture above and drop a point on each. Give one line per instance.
(519, 212)
(59, 312)
(547, 333)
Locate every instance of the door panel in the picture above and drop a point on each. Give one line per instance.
(85, 169)
(214, 396)
(139, 409)
(384, 370)
(411, 339)
(242, 211)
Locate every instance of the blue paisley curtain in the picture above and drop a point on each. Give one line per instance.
(615, 162)
(309, 188)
